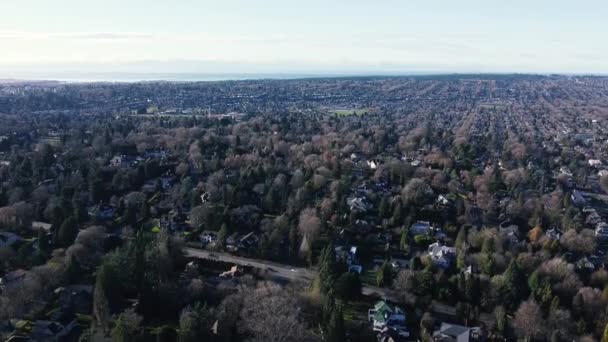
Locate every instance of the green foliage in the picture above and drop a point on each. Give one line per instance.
(461, 238)
(195, 323)
(384, 208)
(515, 282)
(424, 283)
(127, 327)
(404, 242)
(222, 234)
(384, 277)
(488, 266)
(327, 268)
(423, 240)
(348, 286)
(165, 333)
(67, 232)
(335, 327)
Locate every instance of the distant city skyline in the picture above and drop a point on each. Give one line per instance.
(40, 37)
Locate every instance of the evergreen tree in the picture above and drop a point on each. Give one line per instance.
(67, 232)
(327, 268)
(80, 212)
(397, 213)
(384, 208)
(222, 234)
(404, 243)
(384, 277)
(101, 305)
(43, 241)
(335, 326)
(515, 281)
(461, 238)
(127, 327)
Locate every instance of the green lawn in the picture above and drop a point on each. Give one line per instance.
(349, 111)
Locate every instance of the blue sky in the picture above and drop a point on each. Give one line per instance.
(339, 36)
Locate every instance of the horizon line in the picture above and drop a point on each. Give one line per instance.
(260, 76)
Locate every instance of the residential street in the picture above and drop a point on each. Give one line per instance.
(305, 275)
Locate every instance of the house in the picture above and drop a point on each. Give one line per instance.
(358, 204)
(601, 231)
(76, 298)
(38, 225)
(593, 219)
(595, 162)
(232, 242)
(442, 200)
(248, 241)
(441, 256)
(208, 237)
(362, 226)
(456, 333)
(584, 264)
(12, 278)
(553, 234)
(116, 161)
(578, 198)
(421, 228)
(350, 258)
(373, 164)
(8, 239)
(55, 331)
(102, 212)
(384, 317)
(565, 171)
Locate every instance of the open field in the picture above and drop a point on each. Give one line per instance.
(348, 111)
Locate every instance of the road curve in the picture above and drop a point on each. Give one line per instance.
(300, 274)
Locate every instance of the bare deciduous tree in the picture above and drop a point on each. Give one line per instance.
(528, 320)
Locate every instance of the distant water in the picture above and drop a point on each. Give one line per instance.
(149, 77)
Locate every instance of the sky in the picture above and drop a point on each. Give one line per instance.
(312, 36)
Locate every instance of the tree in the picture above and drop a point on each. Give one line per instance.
(327, 268)
(67, 232)
(222, 234)
(384, 277)
(335, 326)
(201, 215)
(101, 305)
(270, 313)
(383, 208)
(500, 314)
(309, 227)
(348, 286)
(195, 323)
(127, 327)
(515, 283)
(528, 320)
(404, 242)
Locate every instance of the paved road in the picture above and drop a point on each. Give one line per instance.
(274, 269)
(305, 275)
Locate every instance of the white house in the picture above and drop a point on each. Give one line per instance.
(456, 333)
(441, 256)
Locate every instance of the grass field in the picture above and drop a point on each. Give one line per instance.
(349, 111)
